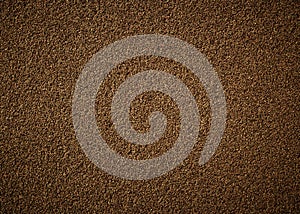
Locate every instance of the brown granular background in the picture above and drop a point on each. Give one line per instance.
(253, 47)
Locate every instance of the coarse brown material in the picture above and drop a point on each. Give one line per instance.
(253, 47)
